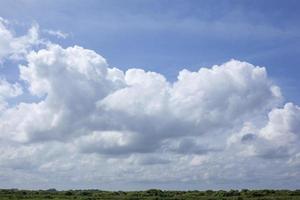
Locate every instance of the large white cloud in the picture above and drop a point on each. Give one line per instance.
(215, 125)
(70, 93)
(82, 95)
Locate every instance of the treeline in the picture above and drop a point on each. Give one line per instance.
(153, 194)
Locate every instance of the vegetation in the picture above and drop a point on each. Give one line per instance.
(153, 194)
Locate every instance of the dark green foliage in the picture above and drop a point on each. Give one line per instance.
(153, 194)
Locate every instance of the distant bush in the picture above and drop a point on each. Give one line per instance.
(51, 190)
(152, 194)
(68, 193)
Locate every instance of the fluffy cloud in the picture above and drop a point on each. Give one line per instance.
(70, 92)
(8, 90)
(82, 96)
(218, 124)
(16, 47)
(283, 126)
(278, 138)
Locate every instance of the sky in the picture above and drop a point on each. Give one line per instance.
(130, 95)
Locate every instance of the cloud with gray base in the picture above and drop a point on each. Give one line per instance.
(94, 124)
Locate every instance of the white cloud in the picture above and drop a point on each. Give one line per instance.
(8, 90)
(283, 126)
(199, 160)
(215, 125)
(108, 142)
(71, 93)
(57, 33)
(278, 138)
(83, 96)
(16, 47)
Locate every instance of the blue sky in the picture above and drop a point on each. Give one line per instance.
(127, 95)
(166, 36)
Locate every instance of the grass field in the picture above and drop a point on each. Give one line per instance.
(153, 194)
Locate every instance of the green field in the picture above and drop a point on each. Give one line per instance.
(152, 194)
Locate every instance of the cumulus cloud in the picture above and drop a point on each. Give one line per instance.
(82, 95)
(8, 90)
(70, 92)
(283, 126)
(106, 142)
(208, 125)
(278, 138)
(16, 47)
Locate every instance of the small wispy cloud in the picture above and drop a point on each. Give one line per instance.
(57, 33)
